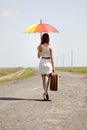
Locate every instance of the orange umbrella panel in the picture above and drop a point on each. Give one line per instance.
(41, 27)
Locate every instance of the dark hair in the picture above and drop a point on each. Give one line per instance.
(45, 38)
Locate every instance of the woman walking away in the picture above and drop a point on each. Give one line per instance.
(46, 65)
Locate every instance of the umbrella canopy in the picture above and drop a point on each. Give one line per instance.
(40, 28)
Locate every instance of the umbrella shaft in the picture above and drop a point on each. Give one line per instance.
(40, 35)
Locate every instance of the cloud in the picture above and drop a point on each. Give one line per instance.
(9, 13)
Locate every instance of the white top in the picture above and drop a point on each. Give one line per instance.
(45, 51)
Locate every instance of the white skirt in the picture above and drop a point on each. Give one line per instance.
(45, 66)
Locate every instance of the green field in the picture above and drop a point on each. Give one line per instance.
(73, 69)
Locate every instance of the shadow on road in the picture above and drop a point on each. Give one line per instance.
(14, 99)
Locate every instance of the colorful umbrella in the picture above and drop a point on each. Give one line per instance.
(40, 28)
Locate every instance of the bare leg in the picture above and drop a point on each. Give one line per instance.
(44, 86)
(46, 83)
(45, 80)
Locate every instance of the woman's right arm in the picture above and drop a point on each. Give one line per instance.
(38, 55)
(39, 48)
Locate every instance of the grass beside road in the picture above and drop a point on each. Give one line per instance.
(29, 72)
(26, 74)
(73, 69)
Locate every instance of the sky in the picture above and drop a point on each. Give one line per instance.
(69, 17)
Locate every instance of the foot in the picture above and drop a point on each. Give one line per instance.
(44, 97)
(47, 96)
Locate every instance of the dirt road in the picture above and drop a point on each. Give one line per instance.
(22, 106)
(10, 76)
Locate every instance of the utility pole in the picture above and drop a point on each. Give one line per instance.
(63, 60)
(56, 61)
(72, 58)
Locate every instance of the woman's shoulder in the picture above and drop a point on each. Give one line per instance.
(50, 46)
(39, 47)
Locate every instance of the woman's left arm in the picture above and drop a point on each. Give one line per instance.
(52, 60)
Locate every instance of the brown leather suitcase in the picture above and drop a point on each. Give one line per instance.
(54, 82)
